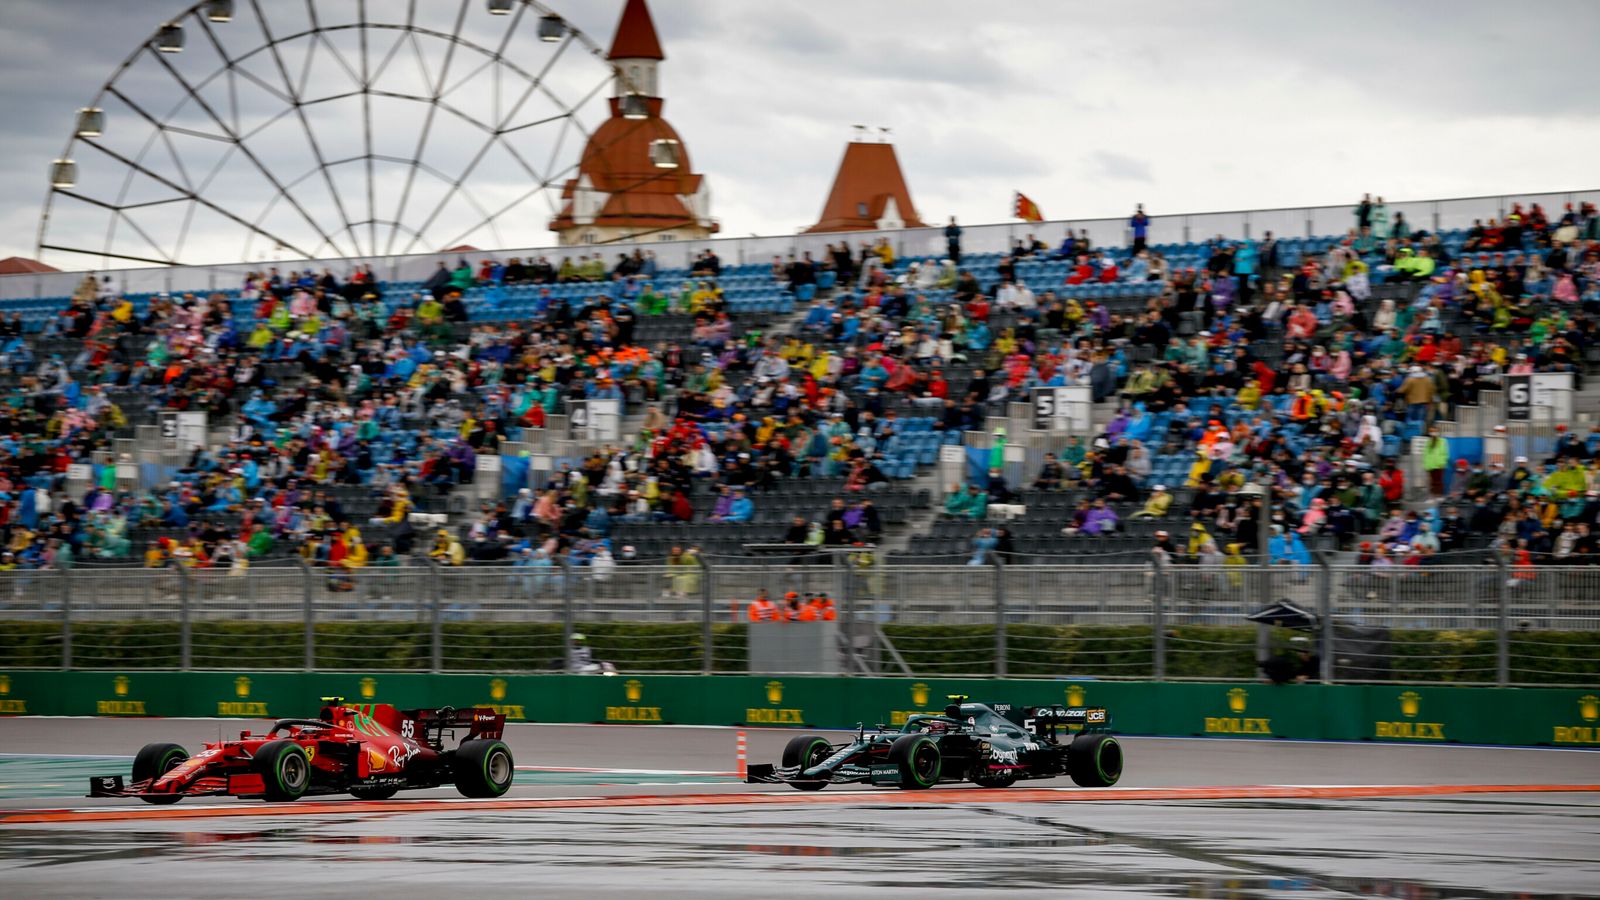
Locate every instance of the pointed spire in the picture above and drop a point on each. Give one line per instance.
(636, 34)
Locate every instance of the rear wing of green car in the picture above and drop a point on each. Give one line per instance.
(1049, 720)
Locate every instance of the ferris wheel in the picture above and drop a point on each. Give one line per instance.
(270, 129)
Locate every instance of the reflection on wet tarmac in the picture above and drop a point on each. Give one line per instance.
(1485, 847)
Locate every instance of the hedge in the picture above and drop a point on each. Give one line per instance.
(1193, 651)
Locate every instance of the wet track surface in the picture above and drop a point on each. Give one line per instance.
(967, 843)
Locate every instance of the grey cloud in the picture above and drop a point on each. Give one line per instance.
(1106, 164)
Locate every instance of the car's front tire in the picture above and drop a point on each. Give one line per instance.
(919, 759)
(483, 768)
(1094, 760)
(803, 753)
(285, 769)
(154, 760)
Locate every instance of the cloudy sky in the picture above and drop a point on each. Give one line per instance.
(1187, 106)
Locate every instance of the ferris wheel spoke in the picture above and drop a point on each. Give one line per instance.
(244, 149)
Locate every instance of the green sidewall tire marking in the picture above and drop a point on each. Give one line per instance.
(489, 756)
(912, 758)
(277, 767)
(1099, 751)
(805, 760)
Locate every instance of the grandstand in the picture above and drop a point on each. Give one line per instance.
(877, 375)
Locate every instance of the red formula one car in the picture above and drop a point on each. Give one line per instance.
(369, 751)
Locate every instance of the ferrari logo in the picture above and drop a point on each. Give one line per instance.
(1237, 698)
(1588, 705)
(5, 685)
(919, 694)
(311, 752)
(1074, 695)
(633, 689)
(497, 689)
(119, 685)
(1410, 704)
(241, 686)
(774, 692)
(369, 688)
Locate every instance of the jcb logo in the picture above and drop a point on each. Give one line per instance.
(119, 685)
(1588, 705)
(919, 694)
(241, 687)
(1237, 699)
(1075, 695)
(774, 692)
(369, 688)
(497, 689)
(1410, 704)
(633, 689)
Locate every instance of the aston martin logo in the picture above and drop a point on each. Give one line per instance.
(919, 694)
(633, 689)
(1237, 698)
(241, 687)
(774, 692)
(1410, 704)
(119, 685)
(497, 689)
(369, 688)
(1588, 705)
(1074, 695)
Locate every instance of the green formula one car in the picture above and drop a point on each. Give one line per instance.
(989, 744)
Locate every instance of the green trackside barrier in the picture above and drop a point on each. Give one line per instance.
(1399, 713)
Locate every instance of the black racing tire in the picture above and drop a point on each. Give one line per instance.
(919, 759)
(376, 792)
(285, 769)
(154, 760)
(483, 768)
(1094, 760)
(805, 752)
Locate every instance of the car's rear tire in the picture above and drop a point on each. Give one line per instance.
(919, 760)
(285, 769)
(153, 761)
(483, 768)
(381, 792)
(805, 752)
(1094, 760)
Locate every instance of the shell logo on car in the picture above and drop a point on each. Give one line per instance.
(376, 761)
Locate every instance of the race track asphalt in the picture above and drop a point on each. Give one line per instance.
(650, 812)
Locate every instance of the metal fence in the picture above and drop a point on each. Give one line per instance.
(1308, 221)
(1479, 624)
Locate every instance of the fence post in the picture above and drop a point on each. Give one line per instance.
(706, 636)
(1324, 614)
(1158, 614)
(66, 622)
(308, 613)
(999, 614)
(185, 628)
(436, 623)
(1502, 610)
(567, 628)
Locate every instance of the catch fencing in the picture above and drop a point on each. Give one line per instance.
(1470, 624)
